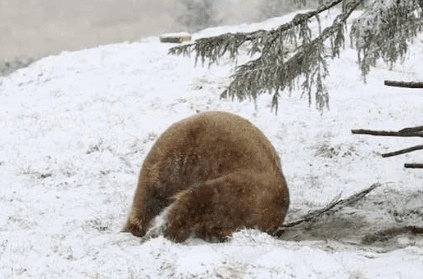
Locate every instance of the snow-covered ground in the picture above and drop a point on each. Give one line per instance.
(75, 128)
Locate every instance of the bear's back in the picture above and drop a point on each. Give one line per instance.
(218, 136)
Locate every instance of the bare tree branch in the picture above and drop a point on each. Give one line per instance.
(402, 151)
(387, 133)
(413, 166)
(404, 84)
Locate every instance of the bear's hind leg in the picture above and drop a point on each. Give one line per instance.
(213, 209)
(144, 209)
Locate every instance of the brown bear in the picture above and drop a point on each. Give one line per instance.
(219, 173)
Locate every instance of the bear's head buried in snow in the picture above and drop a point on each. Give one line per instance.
(219, 172)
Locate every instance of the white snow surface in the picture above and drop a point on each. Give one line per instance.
(75, 129)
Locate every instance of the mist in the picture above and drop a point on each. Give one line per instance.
(37, 28)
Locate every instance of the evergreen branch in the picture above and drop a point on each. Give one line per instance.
(268, 72)
(215, 47)
(383, 32)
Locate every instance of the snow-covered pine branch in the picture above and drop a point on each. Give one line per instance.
(212, 48)
(269, 72)
(383, 31)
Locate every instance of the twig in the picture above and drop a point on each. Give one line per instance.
(402, 151)
(333, 206)
(312, 215)
(356, 197)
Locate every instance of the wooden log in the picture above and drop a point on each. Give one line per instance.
(175, 37)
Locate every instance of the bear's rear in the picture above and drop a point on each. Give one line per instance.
(222, 174)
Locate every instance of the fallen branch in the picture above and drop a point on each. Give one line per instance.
(333, 206)
(312, 215)
(389, 133)
(404, 84)
(402, 151)
(413, 166)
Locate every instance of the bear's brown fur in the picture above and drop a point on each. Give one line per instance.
(222, 174)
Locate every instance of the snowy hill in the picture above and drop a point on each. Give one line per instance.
(76, 127)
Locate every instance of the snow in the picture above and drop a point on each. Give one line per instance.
(76, 127)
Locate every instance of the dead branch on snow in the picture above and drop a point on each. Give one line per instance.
(332, 207)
